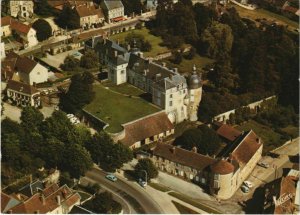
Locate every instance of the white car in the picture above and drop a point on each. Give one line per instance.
(142, 183)
(245, 189)
(70, 115)
(248, 184)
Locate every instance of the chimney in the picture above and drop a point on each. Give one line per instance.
(116, 53)
(173, 149)
(194, 149)
(118, 41)
(164, 64)
(58, 200)
(43, 199)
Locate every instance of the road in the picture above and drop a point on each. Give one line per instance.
(144, 203)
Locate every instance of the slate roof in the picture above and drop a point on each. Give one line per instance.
(32, 188)
(228, 132)
(146, 127)
(113, 4)
(35, 203)
(21, 87)
(182, 156)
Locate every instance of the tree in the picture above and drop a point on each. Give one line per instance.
(217, 40)
(68, 18)
(177, 57)
(107, 154)
(147, 165)
(65, 178)
(103, 203)
(80, 93)
(43, 29)
(203, 138)
(77, 160)
(31, 118)
(42, 8)
(70, 63)
(203, 16)
(89, 60)
(191, 54)
(133, 6)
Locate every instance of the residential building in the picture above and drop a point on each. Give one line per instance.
(23, 69)
(178, 96)
(20, 9)
(23, 33)
(89, 15)
(222, 174)
(50, 199)
(113, 10)
(23, 94)
(146, 130)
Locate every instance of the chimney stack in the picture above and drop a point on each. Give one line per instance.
(58, 199)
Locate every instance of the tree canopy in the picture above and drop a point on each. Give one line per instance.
(68, 18)
(203, 138)
(70, 63)
(43, 29)
(147, 165)
(89, 60)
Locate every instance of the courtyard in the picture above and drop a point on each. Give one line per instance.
(116, 108)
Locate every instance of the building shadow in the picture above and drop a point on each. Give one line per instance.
(255, 205)
(146, 96)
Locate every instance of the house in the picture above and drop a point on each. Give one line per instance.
(7, 202)
(23, 94)
(51, 199)
(25, 69)
(89, 15)
(223, 174)
(146, 130)
(23, 33)
(178, 96)
(20, 9)
(113, 10)
(227, 133)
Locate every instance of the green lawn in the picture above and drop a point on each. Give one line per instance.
(116, 109)
(159, 187)
(124, 88)
(291, 130)
(195, 203)
(186, 66)
(270, 138)
(261, 13)
(154, 41)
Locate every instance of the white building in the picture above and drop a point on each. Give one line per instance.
(170, 91)
(22, 9)
(89, 15)
(113, 10)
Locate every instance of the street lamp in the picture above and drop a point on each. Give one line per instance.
(145, 174)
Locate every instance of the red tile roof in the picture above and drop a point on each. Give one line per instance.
(182, 156)
(20, 27)
(4, 201)
(228, 132)
(18, 63)
(84, 10)
(145, 128)
(222, 167)
(246, 148)
(36, 204)
(21, 87)
(6, 20)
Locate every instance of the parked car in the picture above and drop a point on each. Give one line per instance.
(111, 177)
(263, 164)
(248, 184)
(245, 189)
(142, 183)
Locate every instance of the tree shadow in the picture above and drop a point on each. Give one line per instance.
(129, 174)
(146, 96)
(255, 205)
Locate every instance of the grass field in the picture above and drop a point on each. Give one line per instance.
(186, 66)
(261, 13)
(124, 88)
(182, 209)
(154, 41)
(291, 130)
(270, 138)
(116, 109)
(195, 203)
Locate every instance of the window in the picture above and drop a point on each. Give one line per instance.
(170, 103)
(122, 72)
(171, 96)
(216, 176)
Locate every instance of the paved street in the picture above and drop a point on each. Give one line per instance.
(290, 148)
(123, 188)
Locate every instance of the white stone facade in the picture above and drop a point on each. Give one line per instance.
(21, 8)
(24, 99)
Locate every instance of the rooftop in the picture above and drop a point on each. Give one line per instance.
(86, 10)
(113, 4)
(228, 132)
(21, 87)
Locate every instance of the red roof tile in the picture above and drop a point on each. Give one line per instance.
(147, 127)
(20, 27)
(6, 20)
(84, 10)
(222, 167)
(228, 132)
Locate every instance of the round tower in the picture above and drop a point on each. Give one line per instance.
(195, 94)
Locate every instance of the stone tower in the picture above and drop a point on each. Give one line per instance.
(195, 94)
